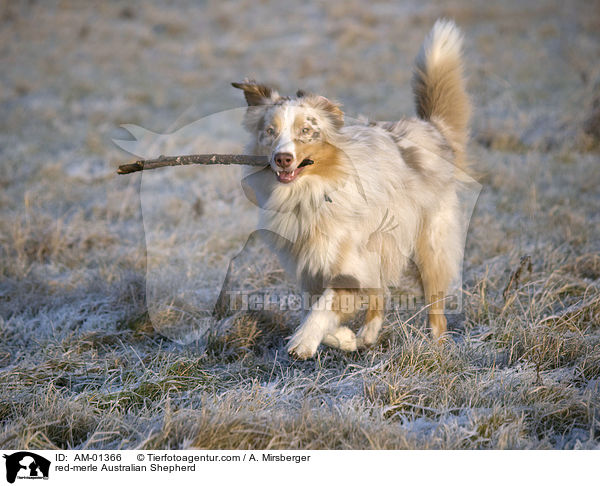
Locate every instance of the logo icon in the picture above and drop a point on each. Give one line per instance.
(26, 465)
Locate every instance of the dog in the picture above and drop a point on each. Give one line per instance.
(352, 203)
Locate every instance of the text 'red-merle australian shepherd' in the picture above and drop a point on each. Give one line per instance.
(330, 213)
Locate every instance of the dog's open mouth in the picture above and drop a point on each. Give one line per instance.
(285, 176)
(288, 176)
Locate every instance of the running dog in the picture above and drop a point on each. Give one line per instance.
(352, 203)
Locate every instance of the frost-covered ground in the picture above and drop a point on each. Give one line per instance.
(83, 365)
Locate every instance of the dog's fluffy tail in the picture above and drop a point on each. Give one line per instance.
(439, 86)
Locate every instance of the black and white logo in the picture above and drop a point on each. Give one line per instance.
(26, 465)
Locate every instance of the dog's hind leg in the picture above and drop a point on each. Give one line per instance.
(438, 256)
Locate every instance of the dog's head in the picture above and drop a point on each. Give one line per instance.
(296, 133)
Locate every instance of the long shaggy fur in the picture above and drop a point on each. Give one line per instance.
(439, 86)
(377, 195)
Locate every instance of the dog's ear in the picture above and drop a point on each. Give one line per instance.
(256, 94)
(331, 109)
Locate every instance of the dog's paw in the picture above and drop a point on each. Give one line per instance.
(343, 338)
(438, 325)
(302, 350)
(303, 346)
(365, 340)
(361, 343)
(368, 334)
(443, 339)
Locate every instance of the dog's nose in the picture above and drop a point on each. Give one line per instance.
(284, 159)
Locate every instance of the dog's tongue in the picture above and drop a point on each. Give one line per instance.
(286, 177)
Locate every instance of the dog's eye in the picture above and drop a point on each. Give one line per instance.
(306, 130)
(270, 131)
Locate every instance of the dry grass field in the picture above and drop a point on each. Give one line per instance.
(84, 364)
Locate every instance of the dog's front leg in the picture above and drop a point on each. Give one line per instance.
(320, 321)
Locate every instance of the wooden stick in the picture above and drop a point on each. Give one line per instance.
(204, 159)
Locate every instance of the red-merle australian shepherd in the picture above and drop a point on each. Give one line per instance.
(352, 203)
